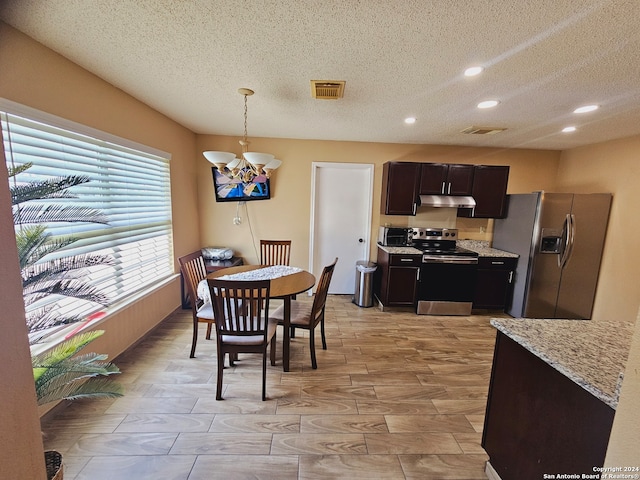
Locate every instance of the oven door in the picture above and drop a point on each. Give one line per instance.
(447, 285)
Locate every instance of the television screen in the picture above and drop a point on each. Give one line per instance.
(235, 190)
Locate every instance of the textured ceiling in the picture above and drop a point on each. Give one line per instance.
(399, 58)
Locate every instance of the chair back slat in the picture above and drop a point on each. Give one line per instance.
(240, 307)
(193, 271)
(320, 298)
(275, 252)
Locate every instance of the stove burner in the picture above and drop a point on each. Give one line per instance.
(458, 251)
(438, 242)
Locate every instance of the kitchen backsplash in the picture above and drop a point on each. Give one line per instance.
(468, 228)
(475, 229)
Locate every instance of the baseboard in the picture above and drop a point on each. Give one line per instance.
(491, 473)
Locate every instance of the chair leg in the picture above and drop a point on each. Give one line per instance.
(221, 356)
(273, 350)
(312, 348)
(324, 340)
(264, 374)
(195, 339)
(209, 325)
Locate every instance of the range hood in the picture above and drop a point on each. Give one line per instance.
(451, 201)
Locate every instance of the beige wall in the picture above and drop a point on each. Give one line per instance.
(35, 76)
(287, 214)
(624, 443)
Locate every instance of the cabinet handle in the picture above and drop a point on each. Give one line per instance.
(414, 207)
(449, 189)
(406, 259)
(418, 275)
(442, 189)
(511, 276)
(497, 263)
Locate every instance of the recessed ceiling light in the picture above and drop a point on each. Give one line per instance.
(473, 71)
(568, 129)
(586, 108)
(410, 120)
(488, 104)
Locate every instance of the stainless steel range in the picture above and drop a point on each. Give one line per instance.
(447, 274)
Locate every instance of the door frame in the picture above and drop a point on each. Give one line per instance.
(315, 166)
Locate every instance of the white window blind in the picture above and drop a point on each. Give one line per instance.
(130, 186)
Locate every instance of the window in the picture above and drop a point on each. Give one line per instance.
(129, 184)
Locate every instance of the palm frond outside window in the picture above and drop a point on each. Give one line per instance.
(92, 214)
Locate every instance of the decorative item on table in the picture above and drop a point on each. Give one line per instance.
(217, 253)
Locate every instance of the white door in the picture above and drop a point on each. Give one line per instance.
(341, 201)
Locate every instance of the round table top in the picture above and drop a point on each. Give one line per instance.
(284, 286)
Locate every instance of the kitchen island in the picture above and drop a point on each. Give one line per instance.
(554, 389)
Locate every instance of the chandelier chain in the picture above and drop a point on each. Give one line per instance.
(244, 144)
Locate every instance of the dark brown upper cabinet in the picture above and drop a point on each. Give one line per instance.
(400, 188)
(489, 191)
(446, 179)
(404, 182)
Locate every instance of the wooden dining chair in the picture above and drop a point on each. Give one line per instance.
(275, 252)
(308, 316)
(193, 271)
(242, 323)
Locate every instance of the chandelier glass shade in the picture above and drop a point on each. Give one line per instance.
(250, 166)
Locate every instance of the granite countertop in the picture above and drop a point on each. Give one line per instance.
(400, 250)
(592, 353)
(482, 248)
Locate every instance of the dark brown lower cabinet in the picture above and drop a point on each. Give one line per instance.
(540, 422)
(494, 282)
(397, 279)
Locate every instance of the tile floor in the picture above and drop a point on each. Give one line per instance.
(395, 396)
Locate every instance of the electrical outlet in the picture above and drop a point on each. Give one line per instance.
(237, 220)
(483, 229)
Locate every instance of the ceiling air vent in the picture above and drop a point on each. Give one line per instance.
(483, 130)
(327, 89)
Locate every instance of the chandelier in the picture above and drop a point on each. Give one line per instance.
(251, 167)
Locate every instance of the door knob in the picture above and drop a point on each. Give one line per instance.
(361, 240)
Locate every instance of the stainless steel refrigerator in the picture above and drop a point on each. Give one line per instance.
(560, 238)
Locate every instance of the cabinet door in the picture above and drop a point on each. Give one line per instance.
(460, 180)
(490, 191)
(402, 286)
(494, 282)
(445, 179)
(399, 188)
(492, 289)
(433, 178)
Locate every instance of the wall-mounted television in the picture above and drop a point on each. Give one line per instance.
(235, 190)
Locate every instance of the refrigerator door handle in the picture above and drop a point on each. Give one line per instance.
(568, 234)
(572, 233)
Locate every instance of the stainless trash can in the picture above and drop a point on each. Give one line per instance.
(363, 296)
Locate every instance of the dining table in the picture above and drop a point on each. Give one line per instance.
(286, 282)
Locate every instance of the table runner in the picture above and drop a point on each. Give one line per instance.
(266, 273)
